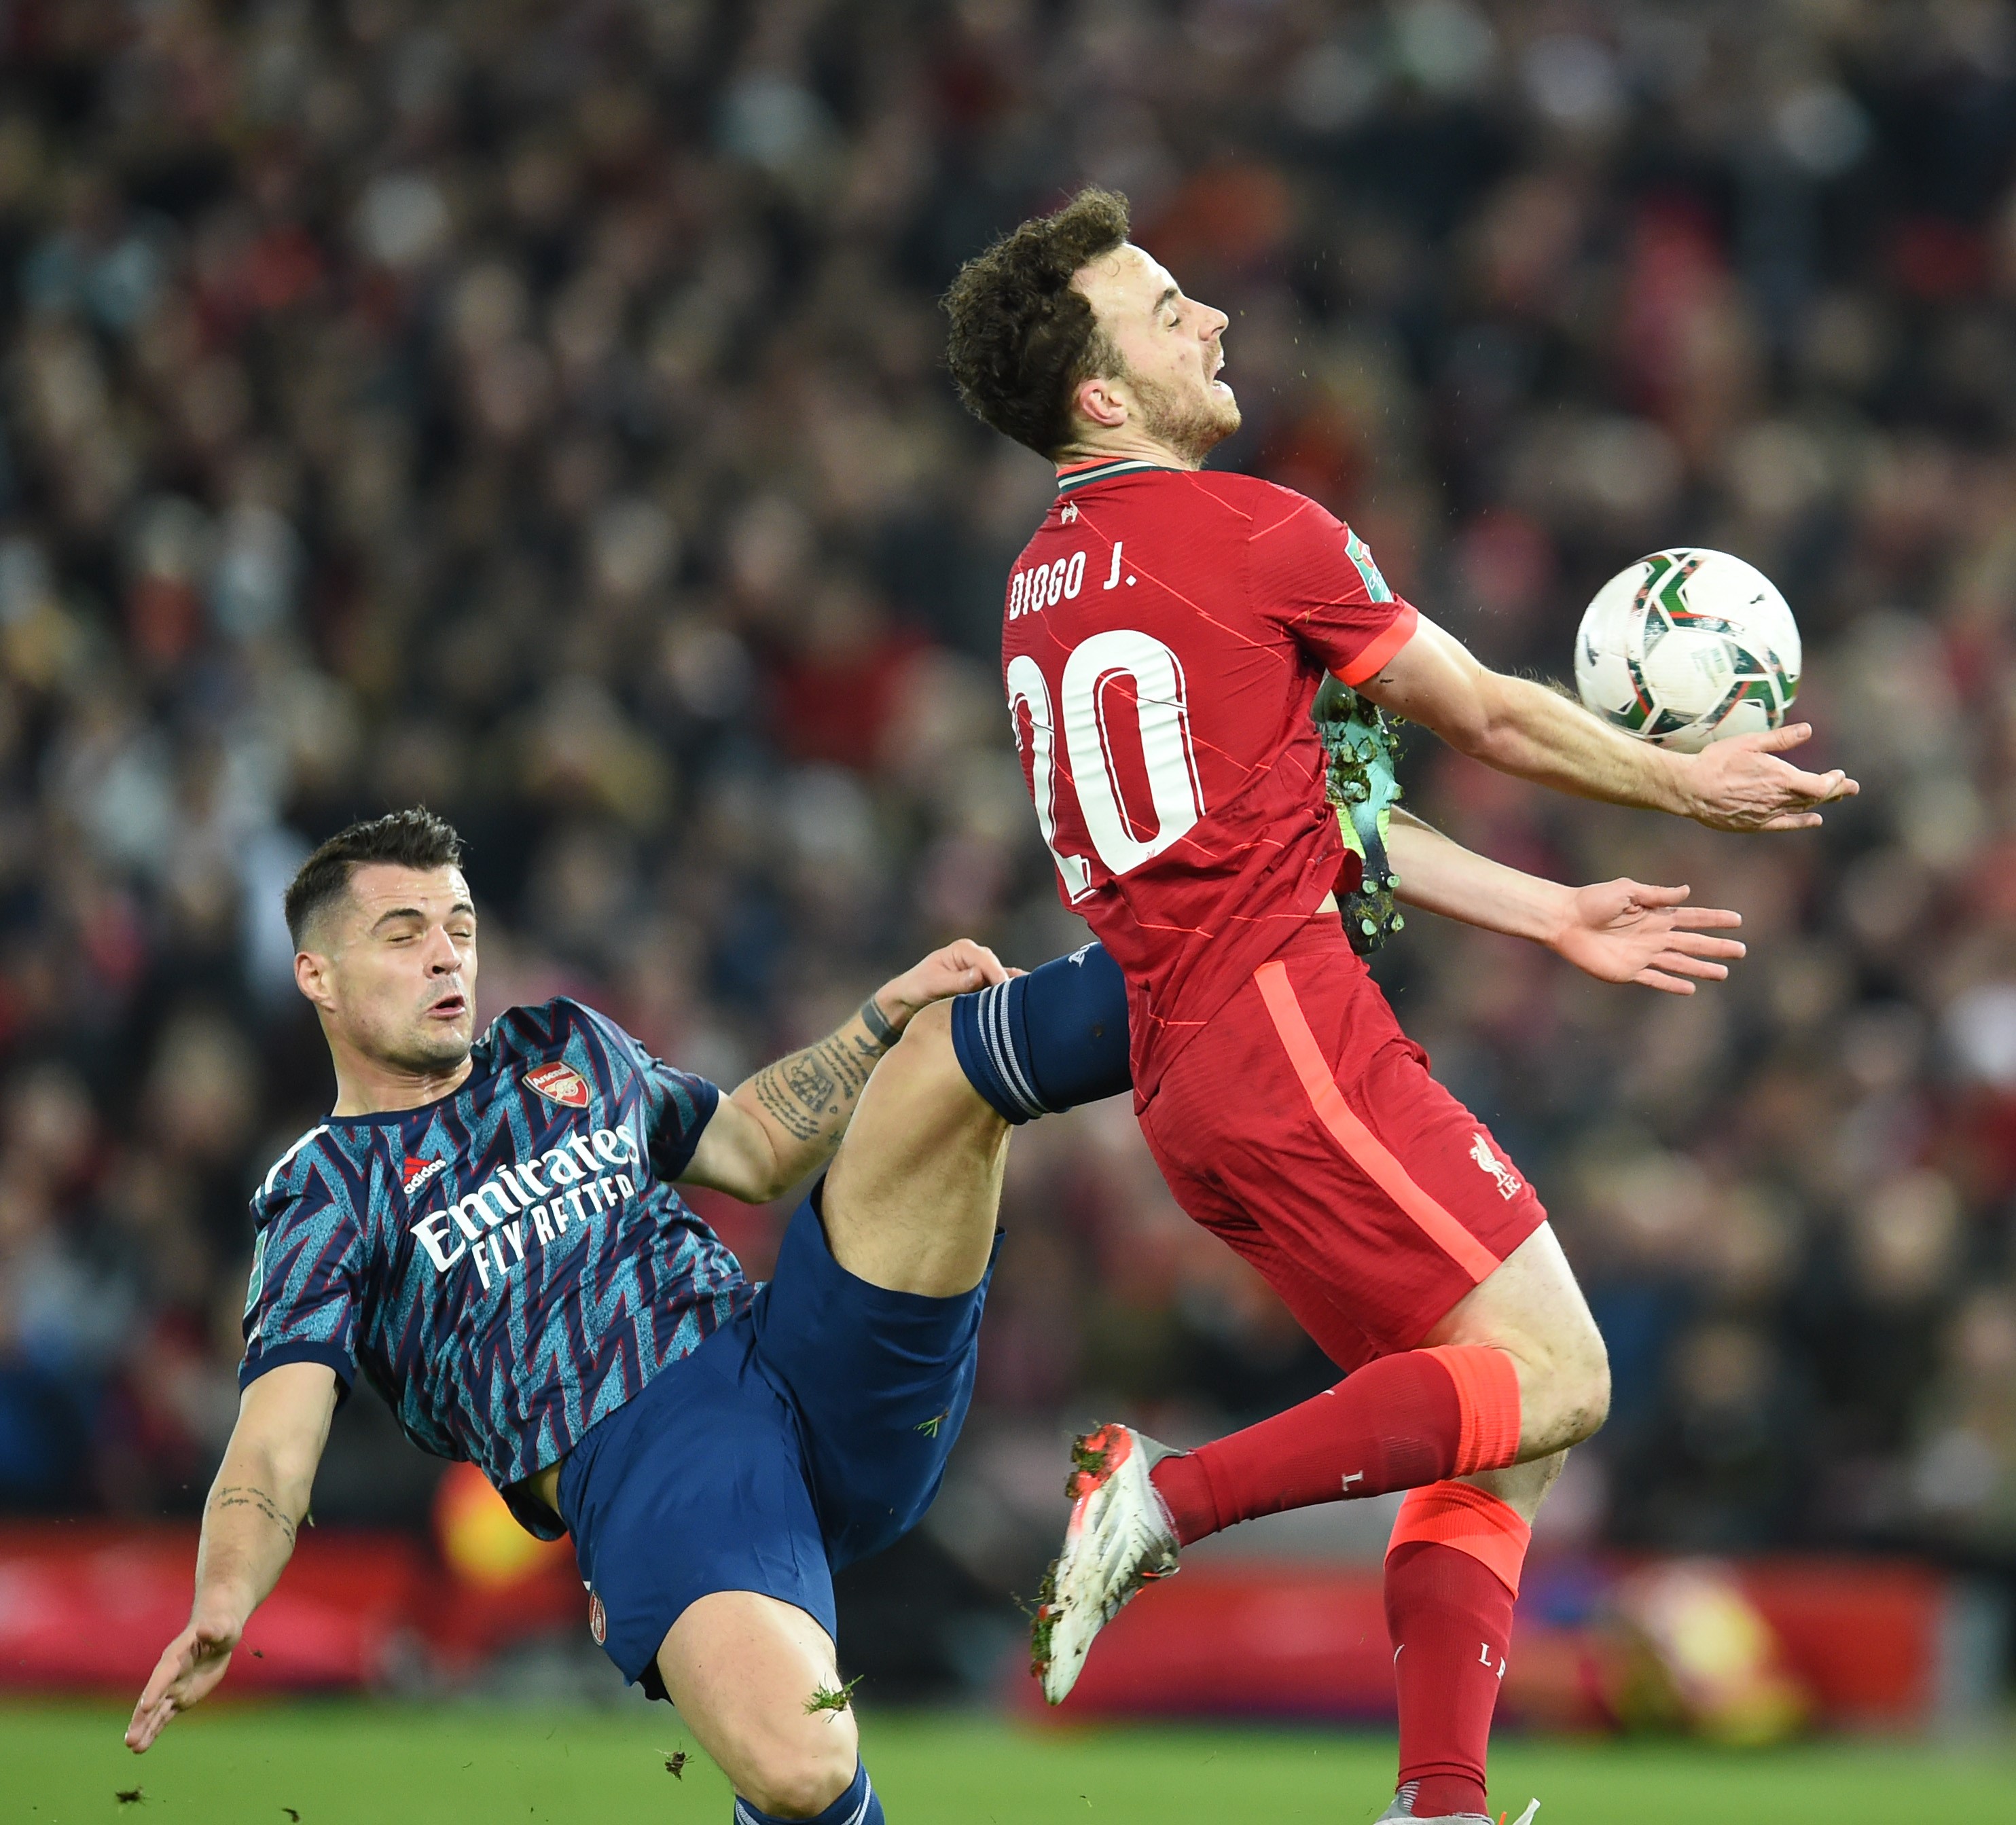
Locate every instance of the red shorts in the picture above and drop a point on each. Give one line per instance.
(1301, 1126)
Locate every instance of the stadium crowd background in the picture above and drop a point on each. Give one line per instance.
(536, 410)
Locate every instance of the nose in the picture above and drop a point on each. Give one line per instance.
(443, 958)
(1214, 322)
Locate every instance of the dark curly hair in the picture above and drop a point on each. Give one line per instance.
(1022, 338)
(408, 839)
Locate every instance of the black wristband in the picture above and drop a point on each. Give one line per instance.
(880, 1028)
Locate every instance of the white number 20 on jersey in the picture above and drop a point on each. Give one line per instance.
(1162, 708)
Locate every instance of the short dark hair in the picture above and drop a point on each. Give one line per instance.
(407, 839)
(1023, 337)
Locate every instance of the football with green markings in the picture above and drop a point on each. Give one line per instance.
(1687, 647)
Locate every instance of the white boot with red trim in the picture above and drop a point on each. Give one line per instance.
(1119, 1538)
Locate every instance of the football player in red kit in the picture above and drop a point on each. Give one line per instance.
(1166, 631)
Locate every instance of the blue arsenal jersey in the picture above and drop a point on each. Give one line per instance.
(507, 1264)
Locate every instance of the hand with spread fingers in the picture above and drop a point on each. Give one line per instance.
(1742, 784)
(1626, 931)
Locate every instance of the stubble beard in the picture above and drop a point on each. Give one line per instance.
(425, 1053)
(432, 1057)
(1191, 425)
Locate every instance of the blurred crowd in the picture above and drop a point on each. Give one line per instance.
(535, 409)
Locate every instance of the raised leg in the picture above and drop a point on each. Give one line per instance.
(1532, 1310)
(912, 1197)
(1515, 1372)
(909, 1206)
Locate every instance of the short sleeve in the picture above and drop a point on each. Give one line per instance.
(303, 1301)
(678, 1105)
(1313, 576)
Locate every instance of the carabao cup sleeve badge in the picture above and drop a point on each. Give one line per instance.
(559, 1083)
(597, 1620)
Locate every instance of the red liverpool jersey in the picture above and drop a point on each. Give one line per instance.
(1166, 631)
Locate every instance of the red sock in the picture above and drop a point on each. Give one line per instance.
(1452, 1576)
(1398, 1422)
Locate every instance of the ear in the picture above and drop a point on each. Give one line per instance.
(311, 977)
(1100, 402)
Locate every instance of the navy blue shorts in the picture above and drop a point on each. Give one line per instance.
(809, 1431)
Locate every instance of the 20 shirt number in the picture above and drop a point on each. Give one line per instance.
(1090, 699)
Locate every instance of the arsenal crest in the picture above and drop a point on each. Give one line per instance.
(559, 1083)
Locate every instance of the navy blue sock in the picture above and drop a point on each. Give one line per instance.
(857, 1806)
(1048, 1041)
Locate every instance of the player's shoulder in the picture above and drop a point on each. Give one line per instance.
(577, 1046)
(1247, 507)
(1267, 505)
(1155, 489)
(327, 1168)
(1188, 491)
(549, 1027)
(1245, 492)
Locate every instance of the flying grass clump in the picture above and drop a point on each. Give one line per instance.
(834, 1698)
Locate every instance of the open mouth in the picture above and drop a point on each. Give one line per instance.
(449, 1007)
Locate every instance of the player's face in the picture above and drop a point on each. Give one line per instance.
(1173, 347)
(400, 972)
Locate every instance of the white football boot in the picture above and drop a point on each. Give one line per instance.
(1402, 1813)
(1119, 1538)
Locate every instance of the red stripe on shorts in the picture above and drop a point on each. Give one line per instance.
(1361, 1146)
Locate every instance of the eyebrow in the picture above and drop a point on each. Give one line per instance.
(417, 913)
(1167, 297)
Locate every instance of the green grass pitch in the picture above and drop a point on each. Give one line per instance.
(348, 1763)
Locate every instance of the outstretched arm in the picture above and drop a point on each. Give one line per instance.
(261, 1494)
(1524, 728)
(783, 1124)
(1618, 931)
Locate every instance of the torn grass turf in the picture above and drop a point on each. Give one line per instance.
(834, 1698)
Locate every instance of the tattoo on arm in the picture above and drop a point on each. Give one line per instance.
(812, 1093)
(244, 1496)
(770, 1086)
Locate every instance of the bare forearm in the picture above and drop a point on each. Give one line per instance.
(1439, 875)
(260, 1496)
(1522, 728)
(249, 1525)
(805, 1101)
(1539, 735)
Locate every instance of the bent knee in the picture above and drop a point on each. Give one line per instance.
(923, 1068)
(925, 1043)
(1587, 1402)
(802, 1779)
(1573, 1394)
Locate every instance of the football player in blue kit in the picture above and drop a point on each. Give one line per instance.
(488, 1229)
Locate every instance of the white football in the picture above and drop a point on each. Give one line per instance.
(1686, 647)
